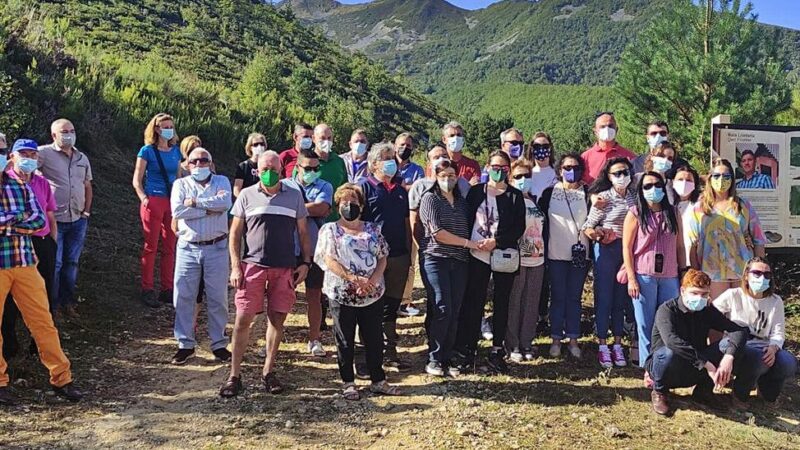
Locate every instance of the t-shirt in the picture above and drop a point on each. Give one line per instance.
(468, 168)
(247, 171)
(595, 158)
(531, 244)
(288, 159)
(564, 232)
(764, 317)
(436, 214)
(333, 171)
(541, 179)
(154, 184)
(320, 191)
(410, 173)
(388, 207)
(271, 223)
(485, 226)
(357, 253)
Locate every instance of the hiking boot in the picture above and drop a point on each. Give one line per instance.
(660, 402)
(182, 356)
(69, 392)
(149, 299)
(434, 368)
(222, 355)
(496, 362)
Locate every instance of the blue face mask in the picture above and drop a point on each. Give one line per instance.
(695, 302)
(758, 284)
(3, 162)
(201, 173)
(167, 133)
(515, 151)
(305, 143)
(569, 176)
(654, 194)
(390, 168)
(661, 164)
(27, 165)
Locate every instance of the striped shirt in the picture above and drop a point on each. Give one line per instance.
(436, 214)
(207, 219)
(20, 217)
(612, 215)
(757, 181)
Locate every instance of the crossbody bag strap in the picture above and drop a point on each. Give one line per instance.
(163, 171)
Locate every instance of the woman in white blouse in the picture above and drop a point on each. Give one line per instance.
(755, 305)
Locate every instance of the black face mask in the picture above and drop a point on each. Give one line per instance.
(350, 211)
(405, 153)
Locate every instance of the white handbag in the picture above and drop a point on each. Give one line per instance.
(504, 260)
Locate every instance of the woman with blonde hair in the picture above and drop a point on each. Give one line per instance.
(247, 170)
(156, 169)
(188, 144)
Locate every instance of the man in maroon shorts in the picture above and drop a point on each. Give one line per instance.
(272, 210)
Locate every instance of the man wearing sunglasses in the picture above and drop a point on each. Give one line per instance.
(606, 147)
(657, 132)
(512, 142)
(199, 203)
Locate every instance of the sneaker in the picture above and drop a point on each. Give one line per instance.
(408, 310)
(165, 297)
(575, 351)
(316, 349)
(516, 356)
(434, 368)
(528, 354)
(149, 299)
(618, 356)
(69, 392)
(182, 356)
(222, 355)
(454, 371)
(603, 356)
(555, 349)
(496, 362)
(362, 372)
(660, 402)
(486, 329)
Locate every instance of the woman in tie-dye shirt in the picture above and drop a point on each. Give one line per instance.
(725, 232)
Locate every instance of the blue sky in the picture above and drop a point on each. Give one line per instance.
(777, 12)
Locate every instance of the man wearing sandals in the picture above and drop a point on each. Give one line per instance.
(272, 211)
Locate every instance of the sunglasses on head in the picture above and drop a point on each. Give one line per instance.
(759, 273)
(726, 176)
(621, 173)
(648, 186)
(199, 161)
(662, 133)
(521, 176)
(310, 168)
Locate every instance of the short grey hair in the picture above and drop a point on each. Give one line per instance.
(452, 124)
(505, 133)
(269, 154)
(200, 150)
(378, 153)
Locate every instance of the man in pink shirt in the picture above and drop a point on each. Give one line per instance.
(22, 166)
(606, 147)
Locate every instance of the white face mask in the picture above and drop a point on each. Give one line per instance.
(621, 182)
(326, 146)
(653, 141)
(455, 143)
(606, 134)
(438, 161)
(258, 150)
(683, 187)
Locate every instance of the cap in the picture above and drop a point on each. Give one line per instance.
(25, 144)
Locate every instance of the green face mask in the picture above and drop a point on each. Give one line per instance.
(269, 178)
(310, 177)
(497, 175)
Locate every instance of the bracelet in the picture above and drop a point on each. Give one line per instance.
(466, 242)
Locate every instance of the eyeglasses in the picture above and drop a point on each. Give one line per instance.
(725, 176)
(498, 167)
(648, 186)
(256, 144)
(515, 142)
(759, 273)
(621, 173)
(654, 133)
(520, 176)
(310, 168)
(199, 161)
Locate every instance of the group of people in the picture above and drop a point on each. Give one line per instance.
(679, 255)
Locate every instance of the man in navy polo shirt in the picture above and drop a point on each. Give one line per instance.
(387, 205)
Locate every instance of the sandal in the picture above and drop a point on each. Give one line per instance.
(231, 388)
(271, 383)
(350, 392)
(384, 388)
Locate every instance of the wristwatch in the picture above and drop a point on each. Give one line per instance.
(86, 214)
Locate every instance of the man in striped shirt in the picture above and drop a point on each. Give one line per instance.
(20, 217)
(752, 179)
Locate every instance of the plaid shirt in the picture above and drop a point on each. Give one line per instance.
(20, 217)
(757, 181)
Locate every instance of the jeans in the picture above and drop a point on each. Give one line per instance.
(157, 221)
(653, 291)
(71, 236)
(668, 370)
(755, 373)
(469, 319)
(448, 280)
(610, 296)
(368, 319)
(523, 308)
(208, 263)
(566, 289)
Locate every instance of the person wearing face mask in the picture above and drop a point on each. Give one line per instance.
(247, 170)
(725, 232)
(3, 151)
(497, 220)
(662, 159)
(331, 165)
(22, 167)
(453, 140)
(765, 364)
(387, 205)
(303, 140)
(200, 202)
(70, 175)
(650, 253)
(354, 253)
(681, 355)
(541, 155)
(410, 172)
(606, 147)
(355, 161)
(688, 187)
(188, 144)
(267, 216)
(156, 170)
(565, 207)
(523, 305)
(512, 143)
(318, 194)
(604, 228)
(443, 213)
(656, 133)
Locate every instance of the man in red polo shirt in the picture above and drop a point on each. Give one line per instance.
(606, 147)
(453, 140)
(302, 137)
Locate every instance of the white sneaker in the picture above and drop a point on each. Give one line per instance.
(516, 356)
(486, 329)
(316, 349)
(575, 351)
(528, 354)
(555, 349)
(410, 311)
